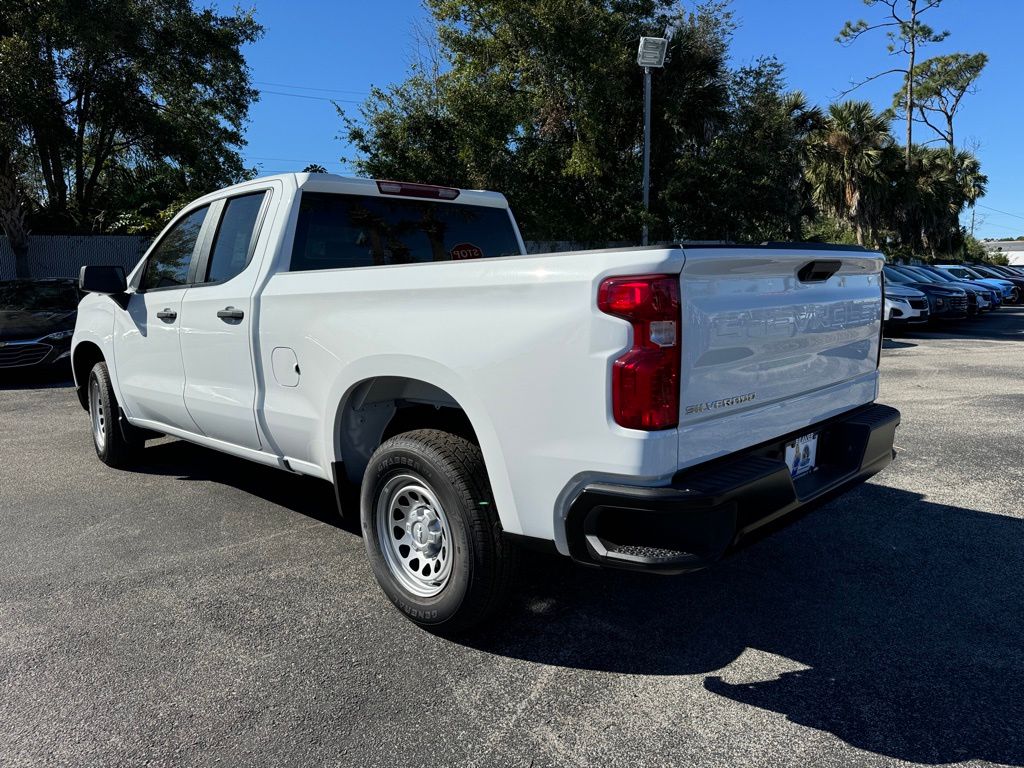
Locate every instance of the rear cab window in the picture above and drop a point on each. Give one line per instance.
(337, 230)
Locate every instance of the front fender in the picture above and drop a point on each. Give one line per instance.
(95, 324)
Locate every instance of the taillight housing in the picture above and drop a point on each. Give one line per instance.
(645, 380)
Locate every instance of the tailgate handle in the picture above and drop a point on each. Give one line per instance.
(818, 271)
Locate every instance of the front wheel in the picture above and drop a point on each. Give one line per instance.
(113, 448)
(432, 532)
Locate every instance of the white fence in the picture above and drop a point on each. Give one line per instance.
(64, 255)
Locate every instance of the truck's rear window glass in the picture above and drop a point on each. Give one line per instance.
(337, 230)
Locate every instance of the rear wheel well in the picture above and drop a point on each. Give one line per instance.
(86, 356)
(381, 408)
(409, 416)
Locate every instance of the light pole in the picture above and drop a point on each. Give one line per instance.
(650, 55)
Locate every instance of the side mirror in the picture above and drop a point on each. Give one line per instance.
(108, 280)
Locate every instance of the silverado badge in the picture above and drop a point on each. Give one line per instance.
(727, 402)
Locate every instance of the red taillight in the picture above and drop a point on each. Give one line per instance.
(645, 380)
(409, 189)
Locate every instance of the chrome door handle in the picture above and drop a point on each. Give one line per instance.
(230, 313)
(167, 315)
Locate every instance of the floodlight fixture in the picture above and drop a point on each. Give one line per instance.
(652, 52)
(651, 55)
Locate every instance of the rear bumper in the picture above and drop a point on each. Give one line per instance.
(711, 509)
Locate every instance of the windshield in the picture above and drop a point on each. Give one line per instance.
(939, 276)
(32, 296)
(989, 273)
(922, 274)
(896, 277)
(960, 272)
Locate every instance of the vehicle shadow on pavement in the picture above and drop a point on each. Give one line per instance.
(892, 343)
(1005, 324)
(10, 380)
(299, 493)
(899, 623)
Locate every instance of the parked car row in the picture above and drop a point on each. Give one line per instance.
(932, 293)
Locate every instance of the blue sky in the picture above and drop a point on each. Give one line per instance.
(318, 50)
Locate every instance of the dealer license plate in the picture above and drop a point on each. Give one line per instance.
(801, 455)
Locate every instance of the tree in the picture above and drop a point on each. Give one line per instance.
(314, 168)
(749, 184)
(940, 84)
(906, 33)
(98, 91)
(920, 214)
(542, 100)
(847, 166)
(15, 101)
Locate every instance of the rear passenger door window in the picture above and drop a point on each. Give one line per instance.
(170, 260)
(232, 245)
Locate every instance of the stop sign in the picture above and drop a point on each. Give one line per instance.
(466, 251)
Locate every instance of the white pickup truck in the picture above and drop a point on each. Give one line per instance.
(645, 408)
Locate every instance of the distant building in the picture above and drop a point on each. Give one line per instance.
(1012, 249)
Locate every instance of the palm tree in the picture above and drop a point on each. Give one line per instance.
(939, 187)
(930, 202)
(845, 165)
(972, 182)
(804, 119)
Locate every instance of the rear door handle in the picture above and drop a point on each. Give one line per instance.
(167, 315)
(230, 313)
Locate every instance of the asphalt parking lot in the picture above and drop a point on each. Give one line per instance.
(201, 610)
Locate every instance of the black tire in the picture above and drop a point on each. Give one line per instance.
(112, 446)
(483, 562)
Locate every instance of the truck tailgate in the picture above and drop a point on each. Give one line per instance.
(770, 326)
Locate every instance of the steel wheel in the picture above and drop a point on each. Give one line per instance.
(432, 532)
(99, 420)
(414, 535)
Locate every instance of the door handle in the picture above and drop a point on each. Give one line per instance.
(230, 313)
(167, 315)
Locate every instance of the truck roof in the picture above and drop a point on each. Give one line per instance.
(330, 182)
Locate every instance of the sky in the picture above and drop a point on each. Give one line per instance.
(316, 51)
